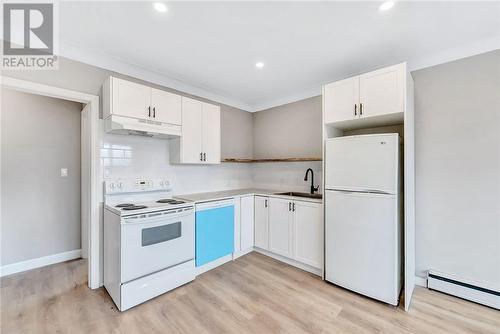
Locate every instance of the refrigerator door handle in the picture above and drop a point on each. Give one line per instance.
(369, 191)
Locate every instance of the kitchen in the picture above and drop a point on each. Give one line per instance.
(248, 201)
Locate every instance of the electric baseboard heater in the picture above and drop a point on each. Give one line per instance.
(462, 288)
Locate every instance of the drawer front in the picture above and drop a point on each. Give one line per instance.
(214, 234)
(145, 288)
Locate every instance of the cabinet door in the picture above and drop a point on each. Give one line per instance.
(211, 133)
(382, 91)
(341, 100)
(237, 224)
(130, 99)
(308, 233)
(261, 222)
(247, 222)
(280, 227)
(191, 131)
(167, 107)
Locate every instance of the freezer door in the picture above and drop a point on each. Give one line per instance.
(363, 163)
(362, 250)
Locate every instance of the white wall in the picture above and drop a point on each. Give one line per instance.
(286, 176)
(40, 209)
(457, 130)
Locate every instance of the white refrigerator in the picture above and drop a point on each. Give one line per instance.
(363, 228)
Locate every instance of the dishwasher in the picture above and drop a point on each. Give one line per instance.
(214, 230)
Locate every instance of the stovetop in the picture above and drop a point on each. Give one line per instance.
(138, 196)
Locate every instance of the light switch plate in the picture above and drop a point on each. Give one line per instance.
(64, 172)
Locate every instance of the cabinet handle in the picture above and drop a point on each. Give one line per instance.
(355, 109)
(265, 203)
(204, 157)
(154, 112)
(201, 156)
(293, 207)
(289, 206)
(149, 111)
(361, 109)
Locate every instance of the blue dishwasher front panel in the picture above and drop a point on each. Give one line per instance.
(214, 233)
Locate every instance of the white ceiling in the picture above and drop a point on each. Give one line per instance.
(210, 48)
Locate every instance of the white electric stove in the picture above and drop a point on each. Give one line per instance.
(149, 245)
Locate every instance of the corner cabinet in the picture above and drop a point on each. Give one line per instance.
(372, 98)
(200, 142)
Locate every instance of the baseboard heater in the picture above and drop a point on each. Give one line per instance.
(462, 288)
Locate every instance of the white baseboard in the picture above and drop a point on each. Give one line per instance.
(18, 267)
(421, 281)
(215, 263)
(300, 265)
(241, 253)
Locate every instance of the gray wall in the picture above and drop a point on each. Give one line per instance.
(236, 134)
(290, 130)
(40, 210)
(457, 129)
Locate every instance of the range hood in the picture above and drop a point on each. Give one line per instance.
(133, 126)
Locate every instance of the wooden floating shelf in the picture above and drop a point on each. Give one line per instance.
(271, 160)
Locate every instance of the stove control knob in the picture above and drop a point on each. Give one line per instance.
(120, 185)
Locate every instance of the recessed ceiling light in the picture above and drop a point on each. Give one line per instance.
(386, 5)
(161, 7)
(259, 64)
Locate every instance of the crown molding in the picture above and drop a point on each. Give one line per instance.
(111, 63)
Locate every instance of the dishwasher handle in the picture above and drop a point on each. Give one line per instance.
(214, 204)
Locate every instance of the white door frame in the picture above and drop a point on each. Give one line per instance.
(91, 145)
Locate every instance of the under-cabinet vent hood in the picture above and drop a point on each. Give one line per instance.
(134, 126)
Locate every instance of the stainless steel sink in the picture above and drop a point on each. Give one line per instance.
(299, 194)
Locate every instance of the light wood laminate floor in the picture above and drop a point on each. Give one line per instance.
(254, 294)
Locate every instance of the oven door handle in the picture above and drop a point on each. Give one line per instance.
(156, 217)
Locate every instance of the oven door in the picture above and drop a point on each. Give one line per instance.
(156, 241)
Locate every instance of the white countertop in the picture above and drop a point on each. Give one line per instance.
(225, 194)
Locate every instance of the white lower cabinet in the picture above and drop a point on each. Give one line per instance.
(261, 222)
(247, 222)
(280, 227)
(295, 230)
(308, 233)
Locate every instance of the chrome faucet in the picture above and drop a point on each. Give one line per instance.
(313, 188)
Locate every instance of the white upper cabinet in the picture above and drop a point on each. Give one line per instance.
(190, 142)
(166, 106)
(341, 100)
(280, 226)
(261, 222)
(382, 92)
(211, 144)
(374, 98)
(200, 142)
(130, 99)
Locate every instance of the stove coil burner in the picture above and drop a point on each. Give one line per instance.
(134, 207)
(124, 205)
(170, 201)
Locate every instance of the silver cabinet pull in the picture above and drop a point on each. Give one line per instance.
(204, 157)
(154, 112)
(361, 109)
(149, 111)
(355, 109)
(201, 156)
(289, 206)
